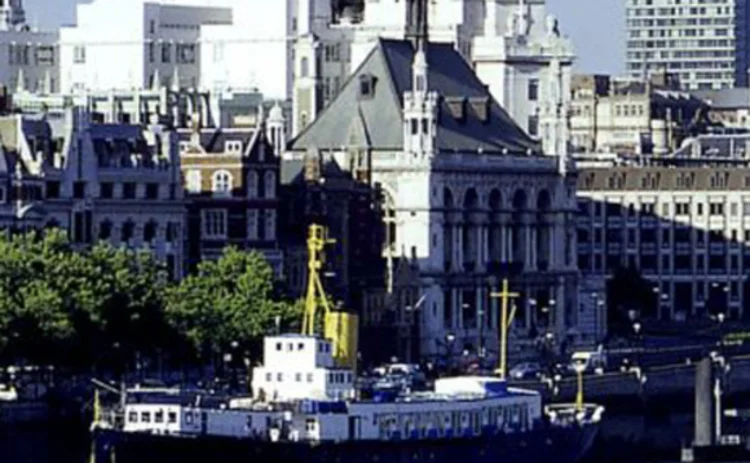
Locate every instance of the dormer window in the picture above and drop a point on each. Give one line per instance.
(366, 86)
(233, 147)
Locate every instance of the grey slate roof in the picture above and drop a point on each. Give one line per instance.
(390, 63)
(213, 140)
(728, 98)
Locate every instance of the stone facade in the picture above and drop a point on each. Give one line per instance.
(231, 181)
(467, 198)
(113, 182)
(683, 222)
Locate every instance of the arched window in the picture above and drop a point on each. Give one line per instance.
(128, 229)
(269, 185)
(222, 183)
(303, 120)
(105, 230)
(252, 184)
(149, 232)
(304, 67)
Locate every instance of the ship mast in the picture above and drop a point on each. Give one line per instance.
(505, 320)
(316, 298)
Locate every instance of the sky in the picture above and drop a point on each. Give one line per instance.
(595, 26)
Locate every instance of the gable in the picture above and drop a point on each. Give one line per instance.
(387, 73)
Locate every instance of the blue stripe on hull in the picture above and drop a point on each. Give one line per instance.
(557, 445)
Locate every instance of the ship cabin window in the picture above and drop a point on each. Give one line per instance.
(188, 417)
(309, 377)
(249, 422)
(133, 417)
(269, 377)
(280, 377)
(290, 347)
(172, 417)
(301, 346)
(159, 416)
(145, 417)
(298, 377)
(278, 346)
(310, 424)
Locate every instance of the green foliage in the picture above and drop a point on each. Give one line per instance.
(84, 308)
(228, 301)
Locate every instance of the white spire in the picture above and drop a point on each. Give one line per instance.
(21, 81)
(176, 79)
(156, 80)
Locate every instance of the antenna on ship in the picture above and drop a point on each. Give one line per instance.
(505, 321)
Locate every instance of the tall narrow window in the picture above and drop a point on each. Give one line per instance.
(269, 185)
(252, 224)
(252, 184)
(270, 225)
(533, 93)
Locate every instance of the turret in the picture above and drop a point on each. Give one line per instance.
(420, 104)
(276, 129)
(12, 15)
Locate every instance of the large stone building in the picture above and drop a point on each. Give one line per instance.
(682, 221)
(705, 42)
(467, 195)
(631, 116)
(114, 182)
(29, 58)
(231, 185)
(514, 47)
(127, 44)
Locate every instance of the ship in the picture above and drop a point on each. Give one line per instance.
(306, 406)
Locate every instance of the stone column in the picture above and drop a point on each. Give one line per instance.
(505, 243)
(459, 246)
(480, 241)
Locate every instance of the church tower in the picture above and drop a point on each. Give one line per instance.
(420, 104)
(313, 17)
(12, 15)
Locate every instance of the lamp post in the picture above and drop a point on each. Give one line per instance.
(579, 365)
(637, 330)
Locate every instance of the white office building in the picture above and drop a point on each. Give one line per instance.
(126, 44)
(28, 58)
(704, 41)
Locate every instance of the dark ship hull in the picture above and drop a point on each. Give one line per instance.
(559, 445)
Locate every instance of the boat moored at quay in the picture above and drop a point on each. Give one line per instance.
(306, 407)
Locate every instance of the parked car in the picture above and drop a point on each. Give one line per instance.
(526, 370)
(589, 361)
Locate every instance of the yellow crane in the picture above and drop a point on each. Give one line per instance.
(339, 327)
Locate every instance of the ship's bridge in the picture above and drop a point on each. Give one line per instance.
(297, 367)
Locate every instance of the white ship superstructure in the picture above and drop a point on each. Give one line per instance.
(301, 395)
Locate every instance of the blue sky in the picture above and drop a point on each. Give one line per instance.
(596, 27)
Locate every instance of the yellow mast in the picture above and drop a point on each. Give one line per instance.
(316, 296)
(505, 322)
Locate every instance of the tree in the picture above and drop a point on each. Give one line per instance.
(230, 301)
(627, 291)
